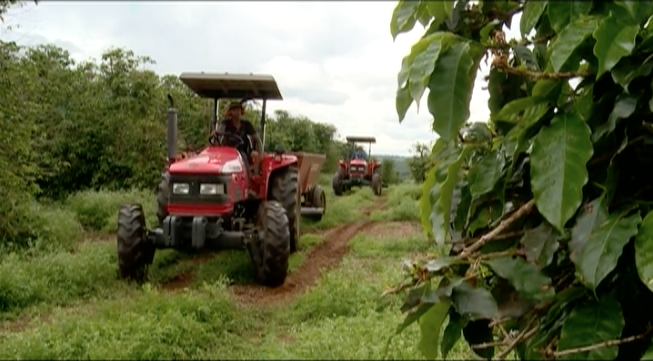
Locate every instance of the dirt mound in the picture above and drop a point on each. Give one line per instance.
(324, 256)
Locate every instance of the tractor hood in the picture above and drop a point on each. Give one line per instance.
(211, 160)
(358, 162)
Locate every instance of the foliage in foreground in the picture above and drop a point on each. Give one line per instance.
(546, 209)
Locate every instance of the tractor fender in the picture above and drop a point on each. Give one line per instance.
(270, 165)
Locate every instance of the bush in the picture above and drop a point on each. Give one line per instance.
(544, 211)
(98, 210)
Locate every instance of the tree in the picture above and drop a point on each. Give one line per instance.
(545, 210)
(420, 162)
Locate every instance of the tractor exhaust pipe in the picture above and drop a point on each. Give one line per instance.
(172, 130)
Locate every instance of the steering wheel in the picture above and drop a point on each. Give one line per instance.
(229, 139)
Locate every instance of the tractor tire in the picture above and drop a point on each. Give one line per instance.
(377, 184)
(284, 188)
(337, 183)
(162, 198)
(318, 200)
(135, 253)
(271, 251)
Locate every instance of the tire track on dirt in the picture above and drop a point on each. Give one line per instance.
(326, 255)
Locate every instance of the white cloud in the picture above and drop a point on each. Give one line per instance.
(335, 62)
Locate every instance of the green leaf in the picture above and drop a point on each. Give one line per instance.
(648, 355)
(540, 244)
(441, 10)
(512, 111)
(403, 17)
(631, 8)
(558, 167)
(446, 191)
(600, 253)
(432, 216)
(525, 56)
(450, 90)
(533, 10)
(547, 89)
(452, 332)
(425, 302)
(591, 323)
(424, 62)
(430, 325)
(624, 106)
(485, 174)
(523, 276)
(569, 39)
(584, 103)
(613, 42)
(644, 251)
(562, 13)
(477, 303)
(487, 30)
(627, 70)
(530, 118)
(402, 102)
(439, 264)
(591, 217)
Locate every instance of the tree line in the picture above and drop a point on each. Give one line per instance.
(69, 126)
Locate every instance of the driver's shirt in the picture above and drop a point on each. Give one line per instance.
(246, 129)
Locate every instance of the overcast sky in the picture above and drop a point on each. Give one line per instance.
(334, 62)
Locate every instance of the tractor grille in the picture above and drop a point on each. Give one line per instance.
(358, 168)
(194, 182)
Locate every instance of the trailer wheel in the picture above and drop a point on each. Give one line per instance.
(377, 183)
(162, 197)
(135, 253)
(271, 251)
(318, 200)
(338, 177)
(284, 188)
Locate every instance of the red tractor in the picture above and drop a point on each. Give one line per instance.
(217, 199)
(358, 169)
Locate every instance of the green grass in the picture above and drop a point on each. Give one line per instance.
(341, 317)
(402, 205)
(92, 314)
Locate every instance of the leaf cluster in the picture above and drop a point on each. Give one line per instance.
(544, 210)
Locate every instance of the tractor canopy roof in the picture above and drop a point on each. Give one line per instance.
(225, 85)
(352, 139)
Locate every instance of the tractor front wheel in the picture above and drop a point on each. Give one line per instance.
(135, 253)
(317, 197)
(377, 184)
(337, 182)
(270, 252)
(284, 188)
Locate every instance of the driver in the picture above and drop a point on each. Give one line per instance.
(234, 124)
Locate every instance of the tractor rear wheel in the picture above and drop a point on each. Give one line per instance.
(377, 183)
(162, 197)
(270, 252)
(317, 197)
(284, 188)
(135, 253)
(337, 182)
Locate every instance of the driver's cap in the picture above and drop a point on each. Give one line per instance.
(235, 105)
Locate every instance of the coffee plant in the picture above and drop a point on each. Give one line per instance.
(545, 211)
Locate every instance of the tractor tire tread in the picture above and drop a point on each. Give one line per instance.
(284, 188)
(134, 252)
(273, 247)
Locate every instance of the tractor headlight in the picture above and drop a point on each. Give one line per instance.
(211, 189)
(232, 166)
(180, 188)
